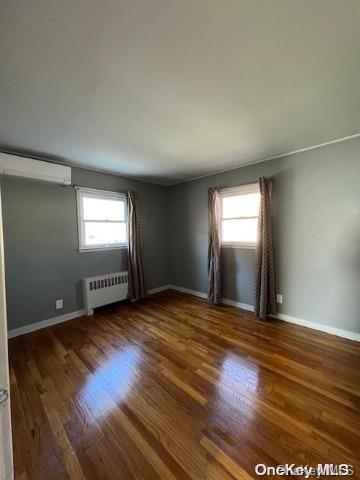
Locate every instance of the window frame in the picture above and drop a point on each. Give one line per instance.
(232, 192)
(101, 195)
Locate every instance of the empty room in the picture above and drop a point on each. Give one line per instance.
(179, 239)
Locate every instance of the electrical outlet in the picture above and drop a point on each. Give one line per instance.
(279, 298)
(59, 304)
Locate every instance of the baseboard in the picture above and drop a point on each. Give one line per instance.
(286, 318)
(243, 306)
(187, 290)
(226, 301)
(152, 291)
(15, 332)
(319, 326)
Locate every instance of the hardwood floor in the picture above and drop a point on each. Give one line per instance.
(174, 388)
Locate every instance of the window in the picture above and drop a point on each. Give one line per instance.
(239, 216)
(101, 219)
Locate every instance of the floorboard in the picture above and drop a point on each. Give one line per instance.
(174, 388)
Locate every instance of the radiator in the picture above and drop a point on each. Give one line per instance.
(104, 289)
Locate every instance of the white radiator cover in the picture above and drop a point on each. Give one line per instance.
(105, 289)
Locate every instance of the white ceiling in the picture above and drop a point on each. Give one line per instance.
(168, 90)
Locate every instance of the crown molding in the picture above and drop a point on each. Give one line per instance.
(191, 179)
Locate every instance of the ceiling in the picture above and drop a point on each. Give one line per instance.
(168, 90)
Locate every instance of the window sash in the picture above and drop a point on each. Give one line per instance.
(230, 231)
(234, 192)
(241, 217)
(82, 193)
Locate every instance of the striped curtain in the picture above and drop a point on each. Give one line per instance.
(214, 266)
(265, 290)
(137, 288)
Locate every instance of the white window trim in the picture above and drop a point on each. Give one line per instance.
(91, 192)
(230, 192)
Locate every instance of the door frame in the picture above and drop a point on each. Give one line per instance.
(6, 449)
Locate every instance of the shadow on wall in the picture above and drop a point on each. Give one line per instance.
(346, 261)
(286, 241)
(190, 241)
(79, 293)
(238, 274)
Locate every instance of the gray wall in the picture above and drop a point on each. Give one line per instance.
(316, 228)
(317, 238)
(42, 260)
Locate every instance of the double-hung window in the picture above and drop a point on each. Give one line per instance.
(239, 216)
(101, 219)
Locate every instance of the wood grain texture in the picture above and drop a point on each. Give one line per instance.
(174, 388)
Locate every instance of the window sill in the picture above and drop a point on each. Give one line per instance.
(102, 249)
(238, 245)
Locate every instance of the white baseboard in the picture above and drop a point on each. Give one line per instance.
(243, 306)
(226, 301)
(286, 318)
(15, 332)
(319, 326)
(187, 290)
(152, 291)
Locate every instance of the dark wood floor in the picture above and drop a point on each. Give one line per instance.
(174, 388)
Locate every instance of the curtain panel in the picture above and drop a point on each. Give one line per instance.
(265, 289)
(137, 288)
(214, 261)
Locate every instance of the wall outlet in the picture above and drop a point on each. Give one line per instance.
(59, 304)
(279, 298)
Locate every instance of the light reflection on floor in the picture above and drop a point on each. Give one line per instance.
(112, 380)
(238, 383)
(244, 373)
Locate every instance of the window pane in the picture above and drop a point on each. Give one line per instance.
(244, 230)
(98, 233)
(103, 209)
(246, 205)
